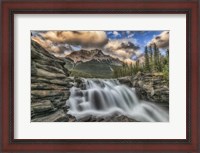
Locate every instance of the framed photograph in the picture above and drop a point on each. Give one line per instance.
(99, 76)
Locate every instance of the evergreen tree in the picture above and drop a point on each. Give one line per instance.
(151, 54)
(160, 62)
(167, 53)
(156, 57)
(154, 61)
(137, 66)
(137, 63)
(151, 62)
(147, 65)
(165, 69)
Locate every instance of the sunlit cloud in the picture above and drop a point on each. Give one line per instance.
(162, 40)
(83, 38)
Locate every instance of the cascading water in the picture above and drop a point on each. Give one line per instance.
(104, 98)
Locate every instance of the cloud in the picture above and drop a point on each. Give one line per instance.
(52, 47)
(47, 44)
(131, 35)
(122, 49)
(162, 40)
(129, 61)
(83, 38)
(110, 32)
(115, 33)
(61, 43)
(128, 45)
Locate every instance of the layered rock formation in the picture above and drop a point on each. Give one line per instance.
(148, 86)
(151, 87)
(49, 86)
(114, 118)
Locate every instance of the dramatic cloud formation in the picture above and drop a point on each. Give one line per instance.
(162, 40)
(57, 49)
(122, 49)
(84, 38)
(128, 46)
(47, 44)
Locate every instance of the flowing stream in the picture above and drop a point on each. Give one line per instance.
(104, 98)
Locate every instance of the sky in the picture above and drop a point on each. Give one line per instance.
(141, 38)
(127, 46)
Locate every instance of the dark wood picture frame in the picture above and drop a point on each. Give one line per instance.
(10, 7)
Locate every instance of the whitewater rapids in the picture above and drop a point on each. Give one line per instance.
(105, 98)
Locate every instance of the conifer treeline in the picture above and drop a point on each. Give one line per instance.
(154, 62)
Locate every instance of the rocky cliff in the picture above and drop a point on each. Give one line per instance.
(49, 86)
(148, 86)
(152, 87)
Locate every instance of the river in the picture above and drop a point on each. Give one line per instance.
(104, 98)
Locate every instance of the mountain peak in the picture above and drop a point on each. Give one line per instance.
(86, 55)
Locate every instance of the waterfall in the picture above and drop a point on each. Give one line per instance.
(104, 98)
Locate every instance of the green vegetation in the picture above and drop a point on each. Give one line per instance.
(127, 70)
(147, 63)
(93, 69)
(154, 62)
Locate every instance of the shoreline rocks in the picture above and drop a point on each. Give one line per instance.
(115, 118)
(151, 87)
(58, 116)
(126, 81)
(148, 86)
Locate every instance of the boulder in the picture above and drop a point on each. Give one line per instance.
(47, 86)
(126, 81)
(50, 68)
(47, 93)
(113, 118)
(58, 116)
(151, 87)
(122, 118)
(42, 106)
(71, 118)
(48, 74)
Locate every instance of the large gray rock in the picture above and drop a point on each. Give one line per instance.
(126, 81)
(151, 87)
(58, 116)
(68, 83)
(47, 86)
(50, 68)
(47, 93)
(114, 118)
(48, 74)
(43, 106)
